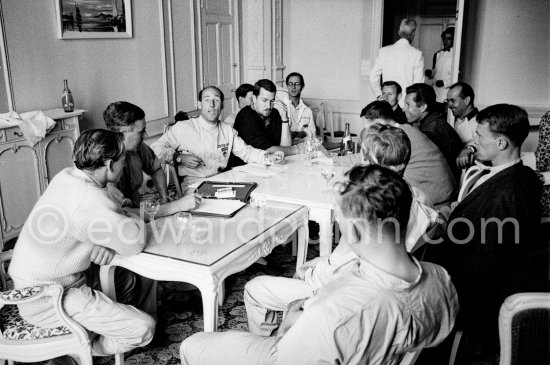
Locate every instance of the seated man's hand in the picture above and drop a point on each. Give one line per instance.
(465, 158)
(189, 201)
(301, 271)
(102, 255)
(439, 83)
(276, 157)
(293, 311)
(281, 108)
(190, 161)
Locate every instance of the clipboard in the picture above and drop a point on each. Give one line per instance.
(242, 190)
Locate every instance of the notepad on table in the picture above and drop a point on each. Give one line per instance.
(218, 207)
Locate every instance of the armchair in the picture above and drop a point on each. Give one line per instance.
(24, 342)
(524, 329)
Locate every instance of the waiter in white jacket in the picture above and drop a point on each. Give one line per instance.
(399, 62)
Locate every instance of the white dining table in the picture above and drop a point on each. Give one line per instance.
(296, 182)
(210, 249)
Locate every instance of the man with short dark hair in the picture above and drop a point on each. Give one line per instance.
(399, 62)
(391, 92)
(491, 233)
(243, 94)
(202, 145)
(384, 304)
(260, 127)
(427, 169)
(421, 110)
(88, 227)
(294, 110)
(129, 119)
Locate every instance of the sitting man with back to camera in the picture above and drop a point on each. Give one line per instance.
(384, 304)
(201, 146)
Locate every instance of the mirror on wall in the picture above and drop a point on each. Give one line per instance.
(6, 95)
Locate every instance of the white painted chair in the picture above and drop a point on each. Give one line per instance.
(23, 342)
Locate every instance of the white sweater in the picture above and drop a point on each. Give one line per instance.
(72, 215)
(212, 143)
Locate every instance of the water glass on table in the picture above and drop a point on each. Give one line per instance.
(328, 174)
(151, 206)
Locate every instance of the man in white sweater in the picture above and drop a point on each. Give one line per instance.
(74, 223)
(201, 146)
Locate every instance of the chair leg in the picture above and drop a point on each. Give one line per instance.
(119, 359)
(454, 349)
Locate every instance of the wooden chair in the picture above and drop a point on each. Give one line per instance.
(332, 136)
(524, 329)
(23, 342)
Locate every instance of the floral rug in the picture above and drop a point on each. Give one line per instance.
(175, 326)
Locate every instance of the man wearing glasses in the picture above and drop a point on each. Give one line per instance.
(294, 110)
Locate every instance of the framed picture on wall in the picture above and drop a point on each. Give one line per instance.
(77, 19)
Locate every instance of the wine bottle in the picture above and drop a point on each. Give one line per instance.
(67, 98)
(347, 144)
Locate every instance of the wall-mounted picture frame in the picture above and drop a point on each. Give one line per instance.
(78, 19)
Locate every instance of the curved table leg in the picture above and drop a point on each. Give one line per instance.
(209, 294)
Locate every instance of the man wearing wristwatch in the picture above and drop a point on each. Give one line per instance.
(201, 146)
(460, 99)
(129, 119)
(260, 127)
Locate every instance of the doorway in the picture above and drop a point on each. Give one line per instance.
(432, 18)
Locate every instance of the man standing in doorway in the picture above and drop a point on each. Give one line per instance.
(399, 62)
(442, 67)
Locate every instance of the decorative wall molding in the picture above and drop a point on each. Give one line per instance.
(277, 42)
(253, 40)
(6, 63)
(162, 35)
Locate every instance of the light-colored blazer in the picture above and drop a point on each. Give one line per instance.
(399, 62)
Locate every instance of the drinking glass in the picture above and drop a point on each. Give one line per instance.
(183, 222)
(151, 207)
(267, 163)
(257, 202)
(328, 174)
(309, 152)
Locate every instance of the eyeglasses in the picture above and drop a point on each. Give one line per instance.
(293, 84)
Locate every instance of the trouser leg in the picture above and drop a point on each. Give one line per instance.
(120, 327)
(228, 348)
(265, 296)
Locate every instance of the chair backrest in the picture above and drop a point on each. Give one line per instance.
(319, 117)
(524, 329)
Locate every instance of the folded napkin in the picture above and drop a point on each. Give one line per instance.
(34, 125)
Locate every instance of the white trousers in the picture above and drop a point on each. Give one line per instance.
(228, 348)
(120, 327)
(266, 296)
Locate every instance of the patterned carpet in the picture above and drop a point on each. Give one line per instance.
(175, 326)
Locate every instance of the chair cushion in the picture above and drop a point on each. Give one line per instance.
(15, 294)
(14, 327)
